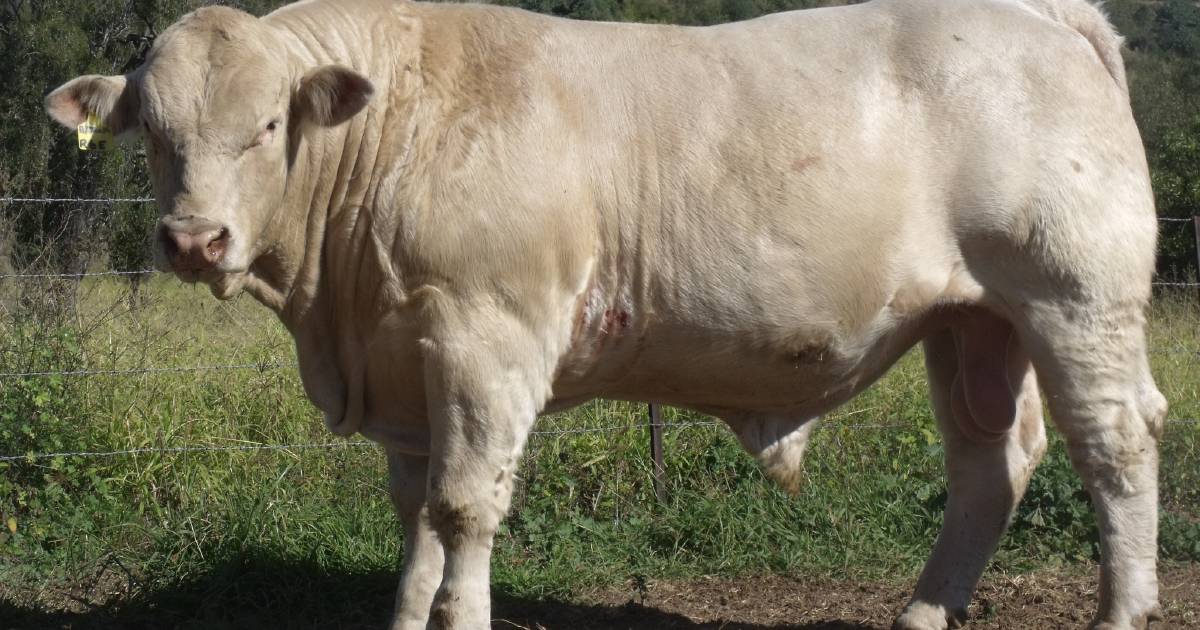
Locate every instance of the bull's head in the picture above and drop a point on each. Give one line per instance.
(219, 101)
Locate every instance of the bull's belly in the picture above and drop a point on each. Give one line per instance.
(725, 375)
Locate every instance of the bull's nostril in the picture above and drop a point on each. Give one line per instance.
(216, 246)
(192, 244)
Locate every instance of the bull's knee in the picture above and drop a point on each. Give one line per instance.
(1152, 406)
(1118, 454)
(456, 522)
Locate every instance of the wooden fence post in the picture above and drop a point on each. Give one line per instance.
(656, 453)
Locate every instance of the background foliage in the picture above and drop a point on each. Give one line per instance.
(287, 538)
(239, 529)
(46, 42)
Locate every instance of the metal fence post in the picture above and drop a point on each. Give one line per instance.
(1196, 231)
(656, 453)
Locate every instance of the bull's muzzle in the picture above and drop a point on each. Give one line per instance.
(192, 244)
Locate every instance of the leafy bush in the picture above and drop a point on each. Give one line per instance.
(1056, 515)
(43, 415)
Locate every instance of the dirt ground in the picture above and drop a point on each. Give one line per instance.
(1044, 600)
(240, 597)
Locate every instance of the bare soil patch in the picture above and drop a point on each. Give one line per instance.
(239, 598)
(1053, 599)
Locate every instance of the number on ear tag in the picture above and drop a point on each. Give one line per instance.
(94, 134)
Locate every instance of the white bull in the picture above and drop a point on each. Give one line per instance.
(469, 215)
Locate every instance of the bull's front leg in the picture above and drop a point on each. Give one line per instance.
(408, 478)
(484, 393)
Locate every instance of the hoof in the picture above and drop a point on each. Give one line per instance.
(1154, 615)
(922, 616)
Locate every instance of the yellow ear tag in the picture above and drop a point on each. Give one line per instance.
(94, 134)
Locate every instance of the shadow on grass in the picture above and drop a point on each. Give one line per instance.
(258, 592)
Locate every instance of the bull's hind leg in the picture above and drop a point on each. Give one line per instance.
(1090, 353)
(990, 456)
(408, 476)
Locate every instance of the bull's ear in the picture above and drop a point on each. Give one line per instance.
(113, 99)
(331, 95)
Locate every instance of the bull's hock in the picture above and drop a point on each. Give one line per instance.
(469, 215)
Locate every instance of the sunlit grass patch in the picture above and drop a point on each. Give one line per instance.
(584, 513)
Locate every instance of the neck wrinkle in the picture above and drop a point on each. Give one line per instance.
(335, 170)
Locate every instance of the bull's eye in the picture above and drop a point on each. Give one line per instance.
(263, 136)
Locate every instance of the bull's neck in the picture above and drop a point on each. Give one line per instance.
(337, 175)
(349, 185)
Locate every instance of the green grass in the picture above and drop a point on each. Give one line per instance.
(278, 525)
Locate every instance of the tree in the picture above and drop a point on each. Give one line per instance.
(1177, 192)
(1177, 28)
(46, 42)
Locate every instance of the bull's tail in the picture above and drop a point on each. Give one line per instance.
(1089, 21)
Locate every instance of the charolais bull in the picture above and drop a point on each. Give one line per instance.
(469, 215)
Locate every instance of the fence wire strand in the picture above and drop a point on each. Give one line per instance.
(262, 367)
(106, 200)
(31, 457)
(330, 445)
(144, 272)
(81, 274)
(96, 200)
(278, 365)
(185, 449)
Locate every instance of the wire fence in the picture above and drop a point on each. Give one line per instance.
(269, 366)
(260, 367)
(82, 274)
(624, 428)
(101, 200)
(154, 271)
(146, 272)
(655, 425)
